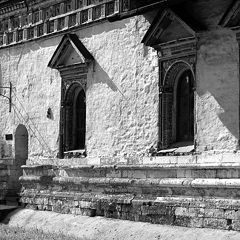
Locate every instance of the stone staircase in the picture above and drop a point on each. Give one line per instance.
(183, 191)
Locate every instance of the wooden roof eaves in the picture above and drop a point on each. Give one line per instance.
(230, 13)
(157, 23)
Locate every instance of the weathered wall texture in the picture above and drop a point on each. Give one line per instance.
(217, 100)
(122, 91)
(35, 89)
(122, 96)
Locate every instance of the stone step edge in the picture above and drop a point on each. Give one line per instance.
(137, 167)
(164, 182)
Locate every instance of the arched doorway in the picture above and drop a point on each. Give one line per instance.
(185, 108)
(75, 118)
(21, 156)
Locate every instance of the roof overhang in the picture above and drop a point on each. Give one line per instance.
(166, 27)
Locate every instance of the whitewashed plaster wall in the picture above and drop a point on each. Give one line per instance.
(122, 91)
(217, 100)
(35, 89)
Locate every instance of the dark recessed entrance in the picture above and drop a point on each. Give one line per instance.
(185, 107)
(21, 156)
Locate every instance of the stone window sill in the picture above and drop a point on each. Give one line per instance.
(177, 149)
(80, 153)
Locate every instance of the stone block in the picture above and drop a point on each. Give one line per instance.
(84, 204)
(215, 223)
(227, 173)
(236, 225)
(39, 201)
(161, 173)
(183, 221)
(214, 213)
(189, 212)
(196, 222)
(154, 210)
(232, 214)
(114, 174)
(184, 173)
(141, 174)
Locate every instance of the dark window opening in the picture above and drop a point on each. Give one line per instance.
(75, 119)
(185, 108)
(8, 137)
(79, 122)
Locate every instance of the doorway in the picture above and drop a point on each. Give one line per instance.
(21, 156)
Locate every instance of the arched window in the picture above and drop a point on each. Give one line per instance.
(185, 108)
(75, 118)
(177, 106)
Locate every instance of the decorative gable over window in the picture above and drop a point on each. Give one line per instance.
(69, 52)
(173, 35)
(167, 27)
(72, 59)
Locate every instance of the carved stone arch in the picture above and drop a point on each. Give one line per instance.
(70, 90)
(170, 101)
(174, 71)
(75, 117)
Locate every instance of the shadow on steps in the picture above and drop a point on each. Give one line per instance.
(5, 211)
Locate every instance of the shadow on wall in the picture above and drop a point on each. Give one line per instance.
(100, 76)
(218, 79)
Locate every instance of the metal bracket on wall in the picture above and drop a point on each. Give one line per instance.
(8, 97)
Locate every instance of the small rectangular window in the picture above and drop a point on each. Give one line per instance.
(8, 137)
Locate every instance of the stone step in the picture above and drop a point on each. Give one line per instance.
(217, 188)
(176, 194)
(136, 171)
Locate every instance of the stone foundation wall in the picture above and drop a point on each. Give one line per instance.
(167, 190)
(191, 212)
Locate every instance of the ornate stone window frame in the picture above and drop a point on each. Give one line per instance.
(176, 53)
(73, 74)
(170, 71)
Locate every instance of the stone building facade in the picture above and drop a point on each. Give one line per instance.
(121, 108)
